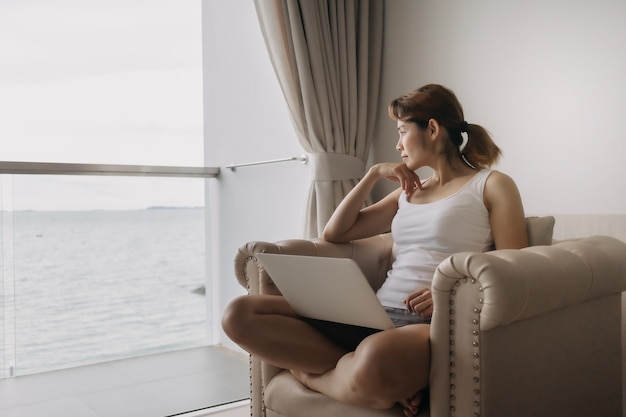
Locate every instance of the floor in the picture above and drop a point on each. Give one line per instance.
(235, 412)
(238, 409)
(159, 385)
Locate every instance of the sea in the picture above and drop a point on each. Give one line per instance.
(95, 286)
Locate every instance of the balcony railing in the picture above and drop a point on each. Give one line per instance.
(80, 285)
(54, 168)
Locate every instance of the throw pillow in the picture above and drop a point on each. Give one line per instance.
(540, 230)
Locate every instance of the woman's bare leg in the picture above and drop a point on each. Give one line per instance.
(387, 367)
(267, 327)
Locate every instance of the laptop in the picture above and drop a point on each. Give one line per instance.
(326, 289)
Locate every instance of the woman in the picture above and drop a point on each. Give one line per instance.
(463, 206)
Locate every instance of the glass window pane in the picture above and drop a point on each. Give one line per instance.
(97, 284)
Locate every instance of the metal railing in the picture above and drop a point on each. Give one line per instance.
(55, 168)
(304, 159)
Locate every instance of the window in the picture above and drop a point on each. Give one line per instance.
(90, 260)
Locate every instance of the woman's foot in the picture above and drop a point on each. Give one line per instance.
(412, 405)
(302, 377)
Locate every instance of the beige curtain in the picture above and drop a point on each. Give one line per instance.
(327, 57)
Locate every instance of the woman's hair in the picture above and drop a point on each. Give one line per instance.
(437, 102)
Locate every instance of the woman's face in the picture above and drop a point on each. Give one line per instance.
(411, 144)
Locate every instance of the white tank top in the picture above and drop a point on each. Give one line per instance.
(426, 234)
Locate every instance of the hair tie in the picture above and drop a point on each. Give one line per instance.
(464, 140)
(464, 136)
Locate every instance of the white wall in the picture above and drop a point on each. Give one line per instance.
(545, 77)
(246, 119)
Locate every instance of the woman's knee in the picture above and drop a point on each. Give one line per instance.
(386, 371)
(242, 317)
(237, 317)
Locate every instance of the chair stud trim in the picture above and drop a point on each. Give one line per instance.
(475, 346)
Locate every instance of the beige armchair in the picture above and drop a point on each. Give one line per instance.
(531, 332)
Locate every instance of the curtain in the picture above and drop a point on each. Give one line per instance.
(327, 57)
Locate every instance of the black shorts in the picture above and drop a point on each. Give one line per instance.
(349, 336)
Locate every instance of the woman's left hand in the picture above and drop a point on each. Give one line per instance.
(420, 302)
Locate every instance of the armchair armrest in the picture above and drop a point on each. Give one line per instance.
(529, 332)
(374, 255)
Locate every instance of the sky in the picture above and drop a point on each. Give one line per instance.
(100, 81)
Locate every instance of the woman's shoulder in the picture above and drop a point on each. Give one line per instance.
(499, 186)
(499, 178)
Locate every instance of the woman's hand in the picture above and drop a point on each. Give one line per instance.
(400, 173)
(420, 302)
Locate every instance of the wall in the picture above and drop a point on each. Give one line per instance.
(545, 77)
(245, 119)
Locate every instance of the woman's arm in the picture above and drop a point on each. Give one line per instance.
(506, 212)
(351, 221)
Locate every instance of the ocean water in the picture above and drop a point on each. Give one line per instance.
(94, 286)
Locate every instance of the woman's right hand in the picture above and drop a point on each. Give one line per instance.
(398, 172)
(351, 220)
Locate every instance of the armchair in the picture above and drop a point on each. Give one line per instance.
(531, 332)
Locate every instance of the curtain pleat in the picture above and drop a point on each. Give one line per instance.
(327, 57)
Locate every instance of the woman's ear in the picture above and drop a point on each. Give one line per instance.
(433, 128)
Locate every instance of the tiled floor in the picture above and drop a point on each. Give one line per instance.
(150, 386)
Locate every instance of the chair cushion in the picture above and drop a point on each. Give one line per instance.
(286, 396)
(540, 230)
